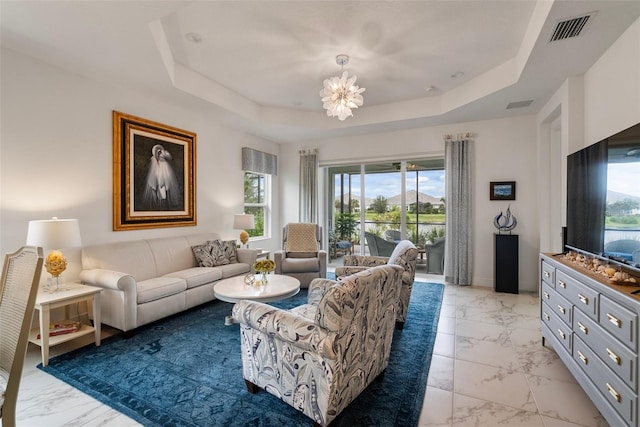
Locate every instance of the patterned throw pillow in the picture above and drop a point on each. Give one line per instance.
(230, 252)
(218, 253)
(203, 255)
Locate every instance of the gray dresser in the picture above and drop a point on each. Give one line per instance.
(593, 326)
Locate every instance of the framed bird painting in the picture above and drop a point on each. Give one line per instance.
(153, 174)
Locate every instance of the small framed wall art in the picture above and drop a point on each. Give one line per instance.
(502, 190)
(153, 174)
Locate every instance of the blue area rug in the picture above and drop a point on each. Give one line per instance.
(186, 370)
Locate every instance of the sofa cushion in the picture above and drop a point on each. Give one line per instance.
(134, 258)
(159, 287)
(171, 254)
(197, 276)
(235, 269)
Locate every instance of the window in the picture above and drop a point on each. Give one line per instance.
(398, 196)
(257, 201)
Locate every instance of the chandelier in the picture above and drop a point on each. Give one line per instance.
(340, 94)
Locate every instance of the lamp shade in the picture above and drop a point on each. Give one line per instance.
(243, 222)
(54, 233)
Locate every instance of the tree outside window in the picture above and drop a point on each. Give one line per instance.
(257, 201)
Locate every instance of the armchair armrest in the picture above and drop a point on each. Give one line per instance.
(365, 260)
(285, 326)
(278, 256)
(317, 288)
(109, 279)
(348, 270)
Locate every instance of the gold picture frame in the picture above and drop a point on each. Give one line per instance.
(153, 174)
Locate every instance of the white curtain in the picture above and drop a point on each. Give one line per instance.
(309, 186)
(458, 248)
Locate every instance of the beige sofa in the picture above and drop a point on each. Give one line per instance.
(146, 280)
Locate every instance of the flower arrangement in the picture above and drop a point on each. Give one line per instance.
(264, 266)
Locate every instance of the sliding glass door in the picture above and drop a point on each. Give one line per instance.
(390, 200)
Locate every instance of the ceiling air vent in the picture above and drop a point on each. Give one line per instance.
(519, 104)
(570, 27)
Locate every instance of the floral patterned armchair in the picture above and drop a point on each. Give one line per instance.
(405, 255)
(320, 356)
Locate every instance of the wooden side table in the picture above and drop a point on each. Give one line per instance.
(69, 293)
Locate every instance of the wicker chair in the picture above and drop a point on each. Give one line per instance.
(379, 246)
(18, 290)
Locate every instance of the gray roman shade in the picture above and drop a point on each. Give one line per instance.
(258, 161)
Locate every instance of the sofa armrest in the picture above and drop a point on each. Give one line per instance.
(247, 256)
(109, 279)
(119, 300)
(285, 326)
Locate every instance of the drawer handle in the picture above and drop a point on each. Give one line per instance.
(562, 334)
(546, 316)
(562, 284)
(614, 393)
(562, 309)
(583, 328)
(613, 319)
(546, 294)
(583, 358)
(547, 274)
(583, 299)
(614, 357)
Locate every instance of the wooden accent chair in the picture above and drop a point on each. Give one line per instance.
(18, 290)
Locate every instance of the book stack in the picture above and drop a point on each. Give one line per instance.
(61, 328)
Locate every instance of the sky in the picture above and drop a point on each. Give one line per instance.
(388, 184)
(624, 178)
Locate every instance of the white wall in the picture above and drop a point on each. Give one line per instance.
(504, 150)
(56, 154)
(612, 88)
(585, 109)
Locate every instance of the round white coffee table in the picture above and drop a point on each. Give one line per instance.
(234, 289)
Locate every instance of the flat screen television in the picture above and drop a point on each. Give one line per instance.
(603, 199)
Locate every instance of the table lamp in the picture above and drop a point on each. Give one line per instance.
(54, 234)
(243, 222)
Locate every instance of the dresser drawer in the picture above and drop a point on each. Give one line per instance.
(547, 274)
(556, 303)
(619, 321)
(619, 396)
(612, 352)
(583, 297)
(557, 327)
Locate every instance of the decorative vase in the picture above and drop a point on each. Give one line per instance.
(265, 279)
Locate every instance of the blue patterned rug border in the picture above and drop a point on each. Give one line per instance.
(200, 399)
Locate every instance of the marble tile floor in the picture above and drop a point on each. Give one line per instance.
(488, 369)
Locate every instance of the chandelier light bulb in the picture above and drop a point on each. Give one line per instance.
(340, 94)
